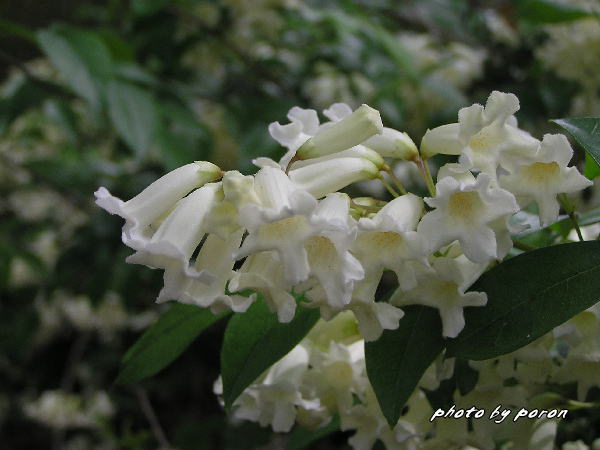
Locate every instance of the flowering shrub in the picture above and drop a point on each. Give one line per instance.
(301, 263)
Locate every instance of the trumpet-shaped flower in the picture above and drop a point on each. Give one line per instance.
(274, 399)
(262, 272)
(173, 244)
(467, 212)
(214, 258)
(388, 240)
(443, 286)
(146, 208)
(337, 374)
(545, 176)
(304, 123)
(309, 239)
(483, 137)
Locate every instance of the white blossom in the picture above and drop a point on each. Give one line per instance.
(544, 176)
(142, 211)
(443, 286)
(467, 212)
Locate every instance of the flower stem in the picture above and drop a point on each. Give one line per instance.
(395, 179)
(389, 188)
(523, 246)
(568, 207)
(426, 174)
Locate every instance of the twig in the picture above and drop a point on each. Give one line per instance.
(148, 411)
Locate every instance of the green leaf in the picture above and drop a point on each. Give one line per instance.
(540, 12)
(529, 295)
(301, 437)
(586, 131)
(164, 341)
(133, 112)
(80, 56)
(256, 340)
(398, 359)
(592, 168)
(23, 94)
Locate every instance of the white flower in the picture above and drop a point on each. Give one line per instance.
(262, 272)
(337, 374)
(467, 212)
(388, 240)
(545, 176)
(309, 239)
(443, 287)
(273, 399)
(215, 257)
(369, 423)
(173, 244)
(330, 260)
(304, 124)
(280, 222)
(333, 174)
(142, 211)
(484, 137)
(374, 317)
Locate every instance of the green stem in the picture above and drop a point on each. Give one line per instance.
(426, 174)
(395, 179)
(389, 188)
(566, 204)
(523, 246)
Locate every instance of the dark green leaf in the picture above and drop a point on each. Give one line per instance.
(164, 341)
(586, 131)
(398, 359)
(465, 376)
(300, 438)
(254, 341)
(540, 12)
(24, 94)
(133, 112)
(528, 295)
(80, 56)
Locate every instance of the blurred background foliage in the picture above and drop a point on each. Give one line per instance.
(117, 92)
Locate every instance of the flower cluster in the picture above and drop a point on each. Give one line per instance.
(289, 234)
(325, 376)
(297, 234)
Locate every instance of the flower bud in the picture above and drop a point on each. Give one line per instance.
(393, 144)
(443, 139)
(332, 175)
(358, 151)
(348, 132)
